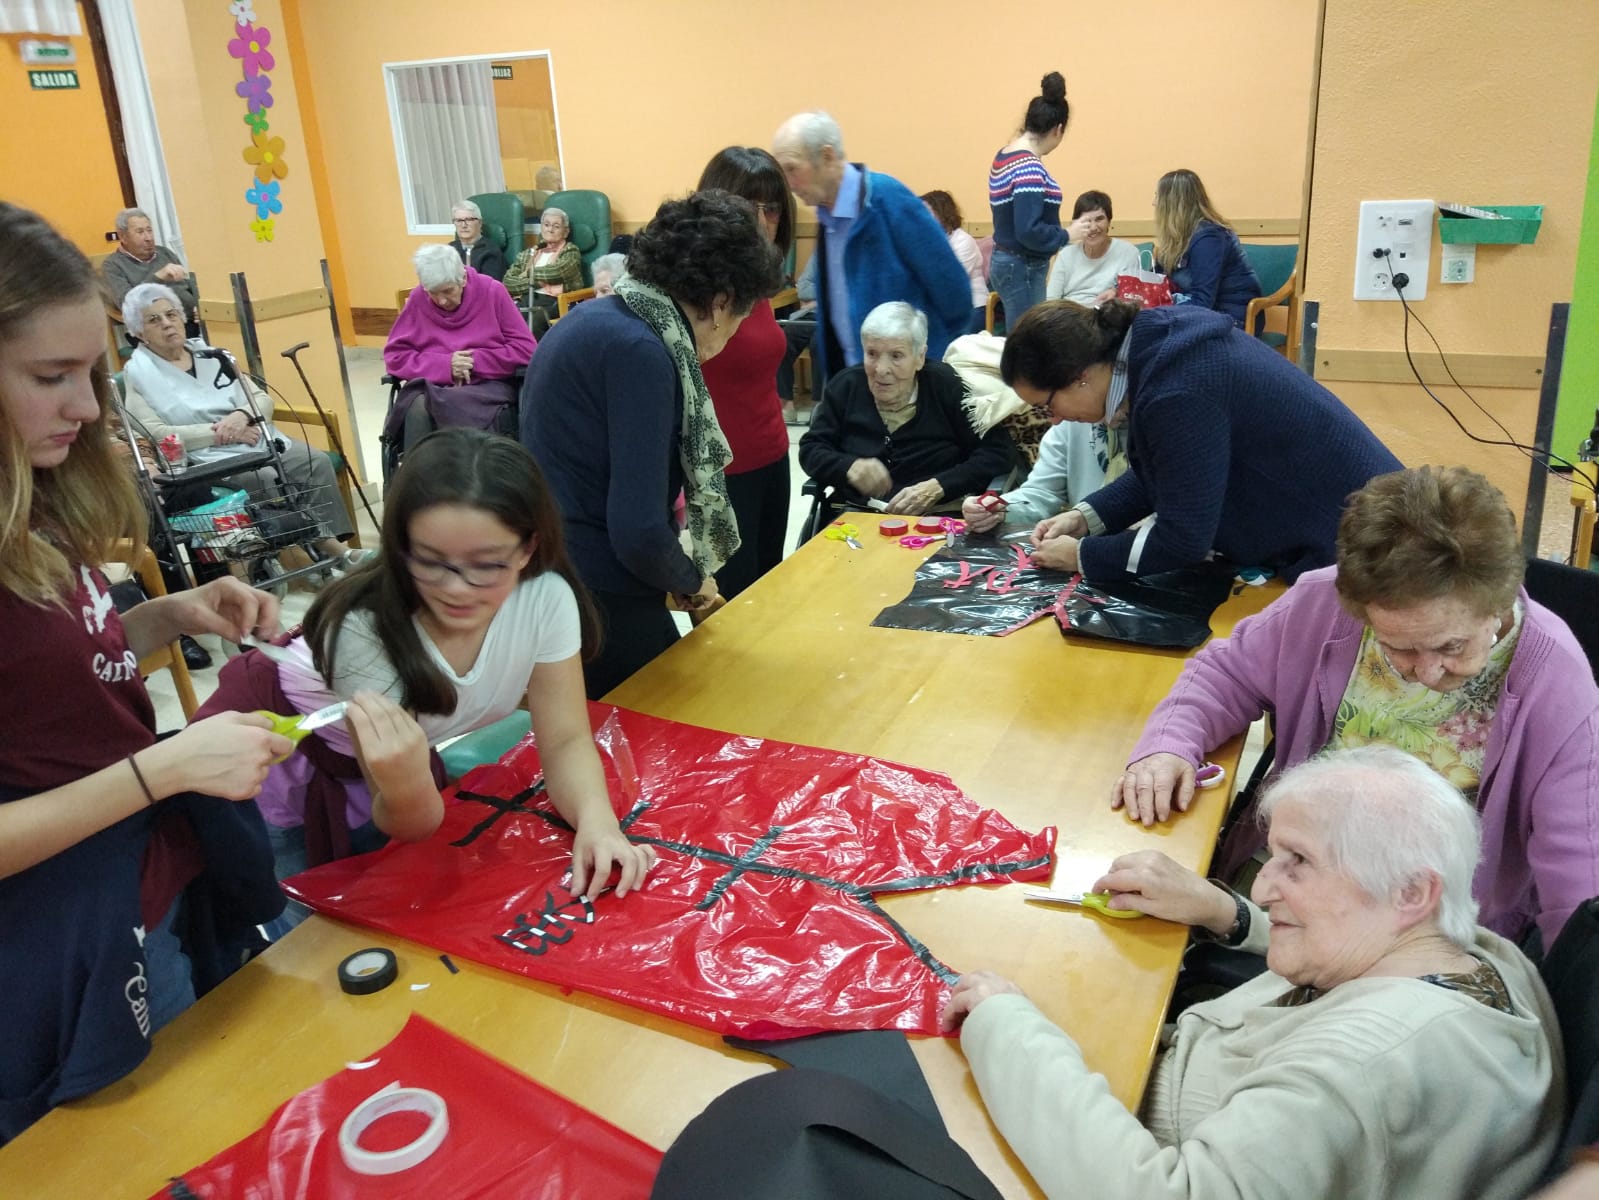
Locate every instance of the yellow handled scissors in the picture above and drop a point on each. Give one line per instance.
(848, 534)
(1098, 902)
(296, 728)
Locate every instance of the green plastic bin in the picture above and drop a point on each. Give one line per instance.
(1521, 229)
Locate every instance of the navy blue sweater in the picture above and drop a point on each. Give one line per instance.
(602, 411)
(1214, 273)
(1235, 448)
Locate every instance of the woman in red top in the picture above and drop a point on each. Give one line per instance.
(86, 948)
(743, 382)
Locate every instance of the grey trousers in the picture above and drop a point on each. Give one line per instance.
(310, 476)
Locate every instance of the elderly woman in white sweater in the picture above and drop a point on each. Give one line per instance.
(1394, 1048)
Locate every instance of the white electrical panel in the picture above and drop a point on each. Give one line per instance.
(1395, 239)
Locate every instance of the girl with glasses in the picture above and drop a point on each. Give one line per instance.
(470, 605)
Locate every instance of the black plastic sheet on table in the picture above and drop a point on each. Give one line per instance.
(991, 587)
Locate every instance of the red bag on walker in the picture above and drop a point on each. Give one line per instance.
(465, 1126)
(1149, 288)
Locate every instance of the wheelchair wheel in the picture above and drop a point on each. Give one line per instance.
(262, 573)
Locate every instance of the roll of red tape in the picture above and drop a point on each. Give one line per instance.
(893, 527)
(930, 525)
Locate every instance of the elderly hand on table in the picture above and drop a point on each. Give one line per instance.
(1152, 788)
(916, 499)
(971, 990)
(1149, 882)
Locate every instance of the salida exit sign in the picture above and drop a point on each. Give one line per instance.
(52, 81)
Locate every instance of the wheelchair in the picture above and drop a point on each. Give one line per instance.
(398, 434)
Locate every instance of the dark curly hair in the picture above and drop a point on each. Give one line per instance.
(705, 246)
(1049, 108)
(1055, 342)
(752, 173)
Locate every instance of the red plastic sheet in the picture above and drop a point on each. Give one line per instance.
(508, 1137)
(759, 917)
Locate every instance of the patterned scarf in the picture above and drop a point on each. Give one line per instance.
(711, 525)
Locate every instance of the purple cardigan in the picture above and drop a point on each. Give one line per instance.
(1539, 796)
(486, 323)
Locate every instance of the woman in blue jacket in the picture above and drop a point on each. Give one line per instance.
(1196, 247)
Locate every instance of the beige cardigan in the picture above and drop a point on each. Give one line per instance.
(1382, 1088)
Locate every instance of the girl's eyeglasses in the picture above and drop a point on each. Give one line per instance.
(478, 575)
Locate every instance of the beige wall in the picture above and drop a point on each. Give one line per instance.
(927, 95)
(1475, 101)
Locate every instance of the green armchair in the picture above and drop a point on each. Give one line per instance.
(1271, 315)
(502, 220)
(590, 215)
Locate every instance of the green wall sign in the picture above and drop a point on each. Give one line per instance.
(51, 81)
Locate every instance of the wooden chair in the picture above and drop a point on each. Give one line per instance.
(170, 656)
(286, 416)
(566, 299)
(1280, 310)
(990, 311)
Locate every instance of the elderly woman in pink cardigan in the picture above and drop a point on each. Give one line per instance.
(457, 344)
(1422, 638)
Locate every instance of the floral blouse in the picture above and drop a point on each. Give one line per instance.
(1446, 730)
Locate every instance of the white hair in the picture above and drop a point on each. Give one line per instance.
(127, 215)
(438, 266)
(466, 206)
(897, 320)
(138, 301)
(559, 212)
(614, 265)
(1389, 819)
(815, 131)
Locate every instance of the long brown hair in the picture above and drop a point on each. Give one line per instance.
(55, 518)
(1181, 204)
(464, 466)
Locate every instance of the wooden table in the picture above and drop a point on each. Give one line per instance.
(1033, 725)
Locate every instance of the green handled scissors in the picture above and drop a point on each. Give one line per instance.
(296, 728)
(1099, 902)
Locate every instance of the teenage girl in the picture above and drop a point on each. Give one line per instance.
(470, 605)
(86, 790)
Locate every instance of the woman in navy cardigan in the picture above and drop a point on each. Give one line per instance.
(1196, 247)
(1234, 452)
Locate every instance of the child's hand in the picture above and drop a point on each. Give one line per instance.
(390, 743)
(595, 854)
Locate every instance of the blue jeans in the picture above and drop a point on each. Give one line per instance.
(289, 858)
(1020, 282)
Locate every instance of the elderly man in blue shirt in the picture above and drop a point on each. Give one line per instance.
(875, 242)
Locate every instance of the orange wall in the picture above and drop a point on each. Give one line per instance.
(79, 193)
(927, 96)
(525, 108)
(1476, 101)
(204, 136)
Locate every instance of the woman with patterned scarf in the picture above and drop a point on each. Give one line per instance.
(616, 411)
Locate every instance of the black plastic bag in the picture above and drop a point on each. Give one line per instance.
(991, 587)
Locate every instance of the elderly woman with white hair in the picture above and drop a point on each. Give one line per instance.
(607, 269)
(478, 251)
(175, 385)
(1394, 1048)
(895, 427)
(458, 343)
(554, 266)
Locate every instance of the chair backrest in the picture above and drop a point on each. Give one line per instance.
(590, 215)
(1572, 595)
(1571, 973)
(1272, 264)
(502, 220)
(170, 656)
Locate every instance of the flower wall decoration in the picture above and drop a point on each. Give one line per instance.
(265, 198)
(250, 45)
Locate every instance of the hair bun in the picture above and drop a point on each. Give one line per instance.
(1053, 87)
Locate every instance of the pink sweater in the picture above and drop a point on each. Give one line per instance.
(487, 323)
(1539, 796)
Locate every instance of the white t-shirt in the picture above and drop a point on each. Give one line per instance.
(538, 623)
(1077, 277)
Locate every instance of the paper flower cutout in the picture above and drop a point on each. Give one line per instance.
(256, 119)
(262, 228)
(265, 198)
(243, 11)
(256, 91)
(250, 46)
(266, 155)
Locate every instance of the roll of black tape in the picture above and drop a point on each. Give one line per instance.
(368, 971)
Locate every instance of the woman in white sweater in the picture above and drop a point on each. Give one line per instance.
(1086, 271)
(1393, 1049)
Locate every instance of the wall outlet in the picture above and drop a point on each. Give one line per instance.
(1395, 238)
(1457, 263)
